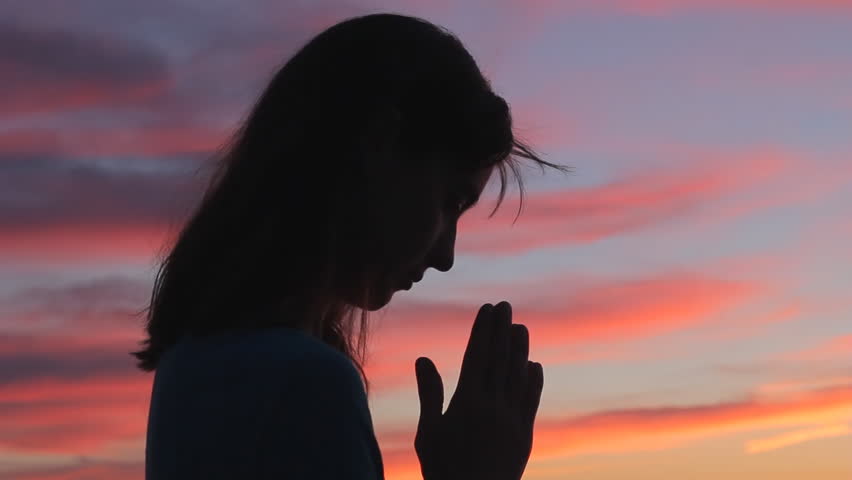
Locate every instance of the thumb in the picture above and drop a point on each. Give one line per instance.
(430, 388)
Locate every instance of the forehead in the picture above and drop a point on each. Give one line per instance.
(458, 174)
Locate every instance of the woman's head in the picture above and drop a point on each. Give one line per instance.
(344, 180)
(414, 210)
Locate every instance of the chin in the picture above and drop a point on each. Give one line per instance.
(379, 299)
(376, 302)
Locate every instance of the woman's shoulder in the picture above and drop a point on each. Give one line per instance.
(247, 395)
(283, 352)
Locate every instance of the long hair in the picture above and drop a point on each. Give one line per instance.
(260, 249)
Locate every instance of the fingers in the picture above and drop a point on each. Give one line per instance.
(430, 389)
(535, 385)
(516, 381)
(475, 365)
(501, 338)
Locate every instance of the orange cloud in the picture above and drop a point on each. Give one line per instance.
(645, 429)
(592, 316)
(793, 438)
(605, 431)
(77, 416)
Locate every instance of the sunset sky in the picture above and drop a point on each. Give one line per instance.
(688, 289)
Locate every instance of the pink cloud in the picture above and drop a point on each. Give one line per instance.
(576, 323)
(833, 348)
(542, 8)
(543, 124)
(676, 6)
(80, 471)
(73, 416)
(65, 244)
(52, 70)
(73, 141)
(632, 203)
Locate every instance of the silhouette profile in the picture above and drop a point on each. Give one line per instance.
(344, 184)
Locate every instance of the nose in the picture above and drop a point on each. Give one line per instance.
(442, 255)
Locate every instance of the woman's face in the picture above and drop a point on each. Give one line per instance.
(414, 208)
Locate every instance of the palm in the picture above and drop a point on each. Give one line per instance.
(487, 429)
(487, 437)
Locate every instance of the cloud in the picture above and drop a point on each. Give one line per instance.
(655, 428)
(811, 382)
(77, 141)
(634, 202)
(833, 348)
(545, 8)
(54, 70)
(568, 322)
(543, 124)
(167, 90)
(88, 416)
(66, 360)
(772, 6)
(796, 437)
(640, 429)
(76, 469)
(55, 210)
(74, 331)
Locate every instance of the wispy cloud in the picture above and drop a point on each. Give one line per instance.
(833, 348)
(796, 437)
(632, 203)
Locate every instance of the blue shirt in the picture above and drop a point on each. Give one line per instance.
(263, 404)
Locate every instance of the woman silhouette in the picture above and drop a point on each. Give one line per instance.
(343, 185)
